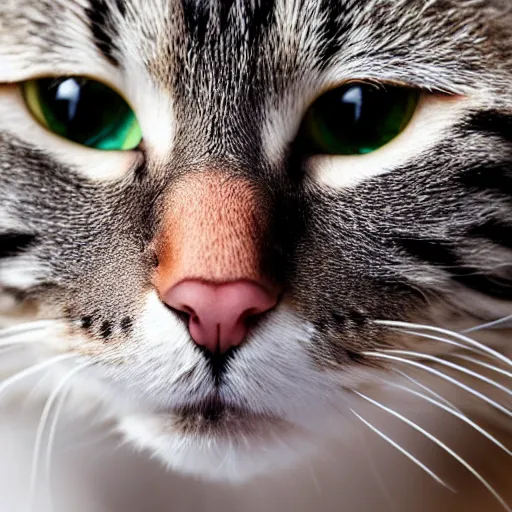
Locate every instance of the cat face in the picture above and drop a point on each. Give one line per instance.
(225, 281)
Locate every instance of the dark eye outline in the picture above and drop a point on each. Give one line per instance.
(132, 138)
(308, 147)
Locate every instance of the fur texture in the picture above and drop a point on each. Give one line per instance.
(419, 231)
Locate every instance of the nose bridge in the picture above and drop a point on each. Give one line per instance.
(212, 231)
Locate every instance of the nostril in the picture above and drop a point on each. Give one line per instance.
(194, 319)
(220, 315)
(251, 312)
(173, 302)
(250, 318)
(179, 312)
(188, 311)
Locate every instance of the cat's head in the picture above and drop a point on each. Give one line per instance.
(306, 171)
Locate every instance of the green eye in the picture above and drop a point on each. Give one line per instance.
(83, 111)
(357, 118)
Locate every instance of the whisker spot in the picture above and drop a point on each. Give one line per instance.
(106, 329)
(126, 324)
(86, 322)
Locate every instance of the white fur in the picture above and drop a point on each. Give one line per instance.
(350, 468)
(273, 375)
(21, 272)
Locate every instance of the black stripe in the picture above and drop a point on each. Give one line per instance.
(493, 122)
(490, 177)
(498, 232)
(197, 20)
(338, 22)
(86, 322)
(496, 287)
(225, 7)
(434, 252)
(121, 7)
(263, 18)
(103, 27)
(12, 244)
(437, 253)
(126, 324)
(106, 329)
(196, 16)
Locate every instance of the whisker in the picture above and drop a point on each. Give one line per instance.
(483, 364)
(103, 436)
(461, 356)
(52, 432)
(456, 335)
(402, 450)
(314, 479)
(490, 325)
(21, 339)
(442, 340)
(457, 414)
(454, 366)
(374, 469)
(42, 425)
(34, 369)
(26, 327)
(5, 350)
(428, 390)
(442, 375)
(442, 445)
(24, 335)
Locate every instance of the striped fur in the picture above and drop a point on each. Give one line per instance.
(420, 231)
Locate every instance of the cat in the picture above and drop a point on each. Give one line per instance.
(255, 255)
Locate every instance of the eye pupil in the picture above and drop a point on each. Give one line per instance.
(84, 111)
(356, 119)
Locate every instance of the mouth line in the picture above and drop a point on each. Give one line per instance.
(212, 409)
(214, 417)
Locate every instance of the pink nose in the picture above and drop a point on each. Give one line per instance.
(218, 313)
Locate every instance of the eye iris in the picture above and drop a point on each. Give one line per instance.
(84, 111)
(357, 119)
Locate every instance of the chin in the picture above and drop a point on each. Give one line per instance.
(219, 443)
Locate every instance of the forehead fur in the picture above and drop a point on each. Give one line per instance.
(223, 66)
(193, 44)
